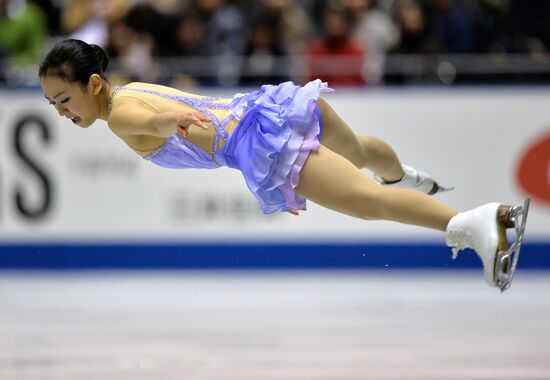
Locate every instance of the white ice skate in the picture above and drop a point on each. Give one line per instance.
(417, 180)
(484, 230)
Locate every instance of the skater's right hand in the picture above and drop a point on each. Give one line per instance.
(296, 212)
(130, 118)
(186, 118)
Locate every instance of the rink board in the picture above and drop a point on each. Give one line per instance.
(255, 256)
(85, 191)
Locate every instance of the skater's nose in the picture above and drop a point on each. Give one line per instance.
(62, 111)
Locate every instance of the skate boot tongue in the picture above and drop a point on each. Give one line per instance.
(476, 229)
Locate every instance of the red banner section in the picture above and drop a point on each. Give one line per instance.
(534, 170)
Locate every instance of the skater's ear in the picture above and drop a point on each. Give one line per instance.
(95, 84)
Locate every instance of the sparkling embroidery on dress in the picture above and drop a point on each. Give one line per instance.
(200, 104)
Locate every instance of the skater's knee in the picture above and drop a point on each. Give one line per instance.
(371, 148)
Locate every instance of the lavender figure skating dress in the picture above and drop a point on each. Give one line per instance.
(278, 127)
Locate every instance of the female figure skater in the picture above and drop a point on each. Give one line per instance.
(289, 144)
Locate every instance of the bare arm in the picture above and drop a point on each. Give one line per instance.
(133, 119)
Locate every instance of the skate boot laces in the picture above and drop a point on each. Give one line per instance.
(476, 229)
(461, 239)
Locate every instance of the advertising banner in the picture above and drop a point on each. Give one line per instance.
(60, 183)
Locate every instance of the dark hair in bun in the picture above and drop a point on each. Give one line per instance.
(75, 61)
(102, 57)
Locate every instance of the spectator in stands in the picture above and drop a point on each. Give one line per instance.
(23, 31)
(375, 31)
(188, 37)
(190, 53)
(230, 27)
(225, 36)
(139, 32)
(336, 57)
(530, 30)
(132, 42)
(415, 35)
(89, 20)
(452, 26)
(144, 19)
(52, 12)
(291, 22)
(265, 57)
(489, 22)
(170, 8)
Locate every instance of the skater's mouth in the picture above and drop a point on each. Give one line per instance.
(74, 119)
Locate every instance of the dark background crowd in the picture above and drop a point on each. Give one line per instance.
(250, 42)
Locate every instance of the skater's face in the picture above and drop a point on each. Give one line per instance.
(81, 104)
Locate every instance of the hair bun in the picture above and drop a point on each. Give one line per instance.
(101, 56)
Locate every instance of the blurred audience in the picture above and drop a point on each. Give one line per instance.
(452, 25)
(415, 36)
(229, 42)
(336, 56)
(265, 58)
(290, 22)
(23, 31)
(89, 20)
(529, 26)
(376, 32)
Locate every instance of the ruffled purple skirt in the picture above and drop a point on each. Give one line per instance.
(279, 127)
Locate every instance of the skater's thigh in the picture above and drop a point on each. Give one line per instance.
(337, 135)
(332, 181)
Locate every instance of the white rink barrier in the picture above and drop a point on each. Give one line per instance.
(61, 183)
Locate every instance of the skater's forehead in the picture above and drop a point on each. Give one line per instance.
(58, 95)
(54, 87)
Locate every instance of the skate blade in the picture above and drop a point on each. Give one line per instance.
(508, 255)
(439, 189)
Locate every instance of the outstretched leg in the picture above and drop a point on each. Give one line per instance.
(362, 151)
(331, 178)
(332, 181)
